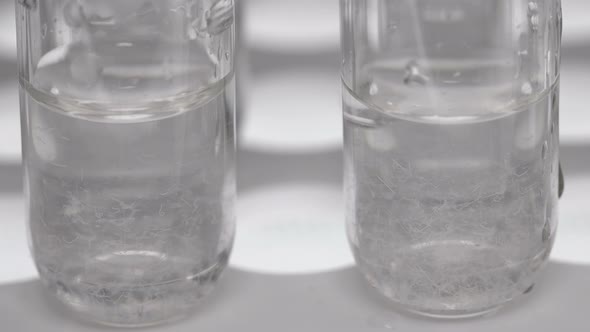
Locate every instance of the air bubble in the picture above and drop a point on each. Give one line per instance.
(414, 74)
(534, 22)
(373, 89)
(544, 151)
(54, 91)
(392, 27)
(526, 89)
(533, 14)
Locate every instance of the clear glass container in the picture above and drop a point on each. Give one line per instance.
(128, 145)
(451, 147)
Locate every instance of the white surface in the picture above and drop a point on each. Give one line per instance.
(576, 25)
(295, 110)
(14, 252)
(291, 229)
(300, 26)
(7, 29)
(10, 142)
(574, 113)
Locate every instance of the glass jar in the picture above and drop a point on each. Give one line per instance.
(128, 145)
(451, 147)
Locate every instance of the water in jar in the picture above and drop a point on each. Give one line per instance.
(450, 174)
(128, 130)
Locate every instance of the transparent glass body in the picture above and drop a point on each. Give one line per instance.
(451, 147)
(128, 146)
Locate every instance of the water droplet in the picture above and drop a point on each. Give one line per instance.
(124, 44)
(227, 55)
(54, 91)
(526, 89)
(457, 74)
(389, 103)
(373, 89)
(544, 150)
(29, 4)
(414, 74)
(392, 26)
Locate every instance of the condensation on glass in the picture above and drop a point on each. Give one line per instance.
(451, 147)
(128, 144)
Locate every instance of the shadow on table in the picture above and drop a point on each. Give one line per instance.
(10, 178)
(334, 301)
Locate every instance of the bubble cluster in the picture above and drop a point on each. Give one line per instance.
(533, 14)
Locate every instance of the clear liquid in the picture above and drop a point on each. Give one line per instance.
(451, 205)
(128, 135)
(131, 222)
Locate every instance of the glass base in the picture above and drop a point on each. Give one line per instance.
(134, 305)
(450, 314)
(450, 279)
